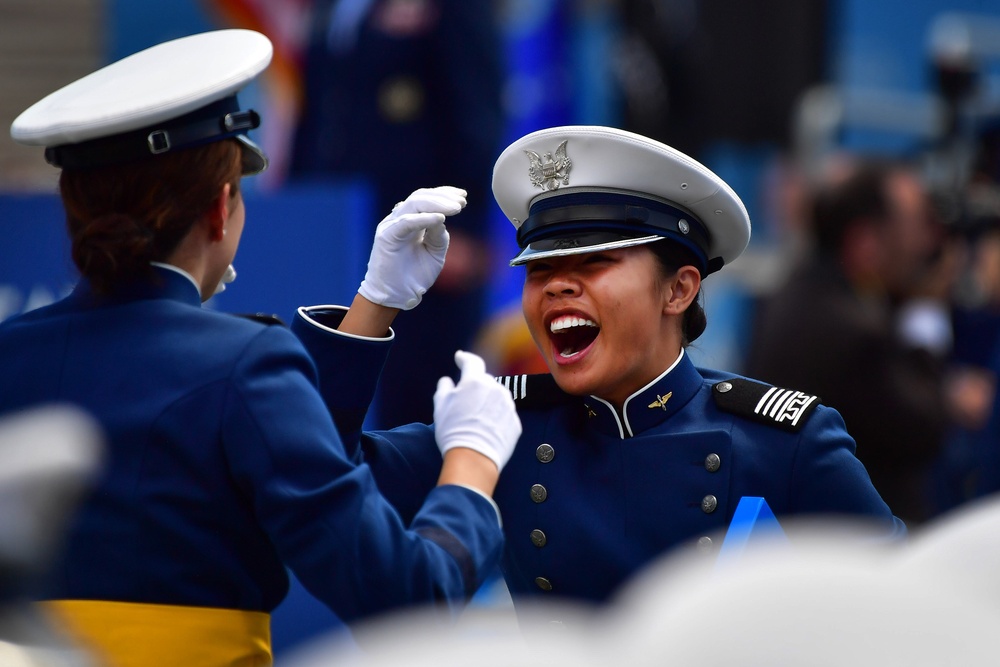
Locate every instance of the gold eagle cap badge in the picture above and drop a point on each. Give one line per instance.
(551, 170)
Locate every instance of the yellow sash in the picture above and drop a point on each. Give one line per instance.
(127, 634)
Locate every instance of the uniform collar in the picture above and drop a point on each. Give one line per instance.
(168, 282)
(178, 270)
(651, 405)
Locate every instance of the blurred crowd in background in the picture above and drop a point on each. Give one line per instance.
(863, 137)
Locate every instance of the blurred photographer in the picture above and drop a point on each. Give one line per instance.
(864, 322)
(970, 464)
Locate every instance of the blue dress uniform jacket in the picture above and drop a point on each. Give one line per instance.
(589, 498)
(224, 466)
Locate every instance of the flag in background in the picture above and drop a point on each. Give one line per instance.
(285, 23)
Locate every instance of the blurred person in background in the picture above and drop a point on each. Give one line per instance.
(628, 450)
(683, 65)
(969, 466)
(864, 322)
(506, 346)
(223, 466)
(400, 93)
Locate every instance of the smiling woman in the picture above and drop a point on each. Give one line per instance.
(629, 450)
(595, 318)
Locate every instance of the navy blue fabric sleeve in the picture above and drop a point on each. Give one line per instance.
(828, 477)
(406, 461)
(348, 371)
(325, 514)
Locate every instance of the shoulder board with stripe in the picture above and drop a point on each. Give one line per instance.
(535, 390)
(263, 318)
(786, 409)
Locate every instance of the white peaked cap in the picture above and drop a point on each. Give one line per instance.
(173, 95)
(576, 189)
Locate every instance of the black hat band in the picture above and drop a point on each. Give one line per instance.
(219, 120)
(627, 215)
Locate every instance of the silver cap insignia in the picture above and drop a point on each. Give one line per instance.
(549, 171)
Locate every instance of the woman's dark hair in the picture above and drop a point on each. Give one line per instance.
(673, 256)
(121, 218)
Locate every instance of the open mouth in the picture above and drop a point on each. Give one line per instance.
(571, 335)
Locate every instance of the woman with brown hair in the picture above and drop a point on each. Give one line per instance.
(223, 465)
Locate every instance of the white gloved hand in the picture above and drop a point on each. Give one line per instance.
(477, 413)
(409, 247)
(227, 277)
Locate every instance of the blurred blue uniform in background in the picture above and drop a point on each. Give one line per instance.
(406, 94)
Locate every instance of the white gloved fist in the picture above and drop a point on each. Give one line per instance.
(409, 247)
(477, 413)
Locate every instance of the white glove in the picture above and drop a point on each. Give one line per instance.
(227, 277)
(477, 413)
(409, 247)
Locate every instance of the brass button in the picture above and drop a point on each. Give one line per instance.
(723, 387)
(543, 583)
(539, 493)
(709, 503)
(538, 538)
(545, 453)
(712, 462)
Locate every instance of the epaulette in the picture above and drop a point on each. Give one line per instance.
(534, 391)
(784, 408)
(263, 318)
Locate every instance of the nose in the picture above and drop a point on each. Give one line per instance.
(562, 283)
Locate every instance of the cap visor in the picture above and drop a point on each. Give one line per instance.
(574, 246)
(254, 159)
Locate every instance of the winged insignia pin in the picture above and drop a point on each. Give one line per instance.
(549, 171)
(661, 401)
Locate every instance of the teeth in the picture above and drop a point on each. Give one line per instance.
(568, 322)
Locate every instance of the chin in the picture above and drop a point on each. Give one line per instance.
(573, 381)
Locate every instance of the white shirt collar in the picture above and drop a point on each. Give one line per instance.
(177, 269)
